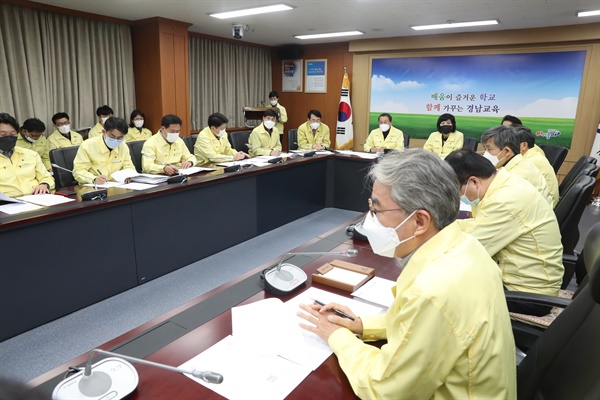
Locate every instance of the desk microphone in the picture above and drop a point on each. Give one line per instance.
(95, 195)
(114, 378)
(179, 178)
(285, 278)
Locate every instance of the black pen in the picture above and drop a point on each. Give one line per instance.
(338, 312)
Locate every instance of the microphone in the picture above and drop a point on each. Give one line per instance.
(95, 195)
(179, 178)
(115, 376)
(285, 278)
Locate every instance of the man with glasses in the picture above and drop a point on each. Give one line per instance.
(98, 158)
(63, 136)
(165, 152)
(21, 170)
(448, 331)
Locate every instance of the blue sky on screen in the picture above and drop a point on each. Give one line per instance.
(526, 85)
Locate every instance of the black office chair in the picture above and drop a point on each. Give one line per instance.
(587, 170)
(470, 143)
(239, 139)
(574, 173)
(135, 151)
(562, 363)
(292, 139)
(555, 154)
(190, 142)
(406, 140)
(63, 157)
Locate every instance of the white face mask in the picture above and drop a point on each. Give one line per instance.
(273, 102)
(269, 124)
(493, 159)
(314, 125)
(383, 240)
(104, 120)
(384, 127)
(138, 123)
(221, 133)
(30, 139)
(64, 129)
(172, 136)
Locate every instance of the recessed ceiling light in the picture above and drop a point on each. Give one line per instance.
(328, 35)
(588, 13)
(252, 11)
(455, 25)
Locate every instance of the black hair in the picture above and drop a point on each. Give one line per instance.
(6, 118)
(60, 115)
(116, 123)
(273, 94)
(170, 119)
(467, 163)
(514, 120)
(33, 125)
(134, 114)
(525, 135)
(270, 113)
(104, 110)
(445, 117)
(217, 119)
(385, 115)
(503, 136)
(316, 113)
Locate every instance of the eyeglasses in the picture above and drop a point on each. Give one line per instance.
(373, 211)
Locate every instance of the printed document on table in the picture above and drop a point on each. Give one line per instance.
(194, 170)
(16, 208)
(137, 186)
(105, 185)
(45, 199)
(122, 175)
(377, 290)
(247, 376)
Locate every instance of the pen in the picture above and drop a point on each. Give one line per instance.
(100, 173)
(338, 312)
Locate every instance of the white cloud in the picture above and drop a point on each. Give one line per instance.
(380, 82)
(550, 108)
(390, 107)
(455, 87)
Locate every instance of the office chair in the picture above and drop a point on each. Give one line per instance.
(587, 170)
(292, 139)
(135, 151)
(190, 142)
(555, 154)
(470, 143)
(64, 157)
(406, 140)
(239, 139)
(562, 363)
(574, 173)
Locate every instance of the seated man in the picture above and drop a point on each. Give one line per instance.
(21, 170)
(264, 139)
(384, 137)
(165, 152)
(514, 223)
(63, 136)
(533, 153)
(102, 113)
(212, 144)
(511, 120)
(32, 138)
(448, 332)
(502, 149)
(313, 135)
(98, 158)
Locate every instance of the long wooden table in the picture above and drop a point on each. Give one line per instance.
(60, 259)
(181, 334)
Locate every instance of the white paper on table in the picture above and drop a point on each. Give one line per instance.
(104, 185)
(370, 156)
(324, 152)
(464, 207)
(6, 198)
(122, 175)
(231, 163)
(343, 275)
(45, 199)
(265, 158)
(377, 290)
(15, 208)
(246, 376)
(194, 170)
(137, 186)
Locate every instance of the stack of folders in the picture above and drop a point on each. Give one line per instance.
(149, 179)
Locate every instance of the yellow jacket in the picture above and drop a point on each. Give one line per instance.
(537, 150)
(519, 230)
(57, 140)
(168, 153)
(40, 146)
(134, 134)
(262, 143)
(524, 168)
(95, 131)
(22, 173)
(448, 331)
(209, 148)
(282, 119)
(394, 140)
(542, 163)
(306, 139)
(94, 156)
(434, 143)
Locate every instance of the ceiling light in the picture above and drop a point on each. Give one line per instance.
(588, 13)
(328, 35)
(452, 24)
(252, 11)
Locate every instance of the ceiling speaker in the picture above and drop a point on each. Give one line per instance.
(290, 52)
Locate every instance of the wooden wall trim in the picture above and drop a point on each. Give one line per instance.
(66, 11)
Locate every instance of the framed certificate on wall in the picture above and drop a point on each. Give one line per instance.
(291, 74)
(316, 76)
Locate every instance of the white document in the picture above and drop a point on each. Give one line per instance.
(194, 170)
(45, 199)
(324, 152)
(377, 290)
(122, 175)
(16, 208)
(247, 376)
(104, 185)
(137, 186)
(231, 163)
(8, 199)
(343, 275)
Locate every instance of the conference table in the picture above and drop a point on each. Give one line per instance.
(60, 259)
(181, 334)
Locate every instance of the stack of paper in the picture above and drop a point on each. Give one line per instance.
(8, 205)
